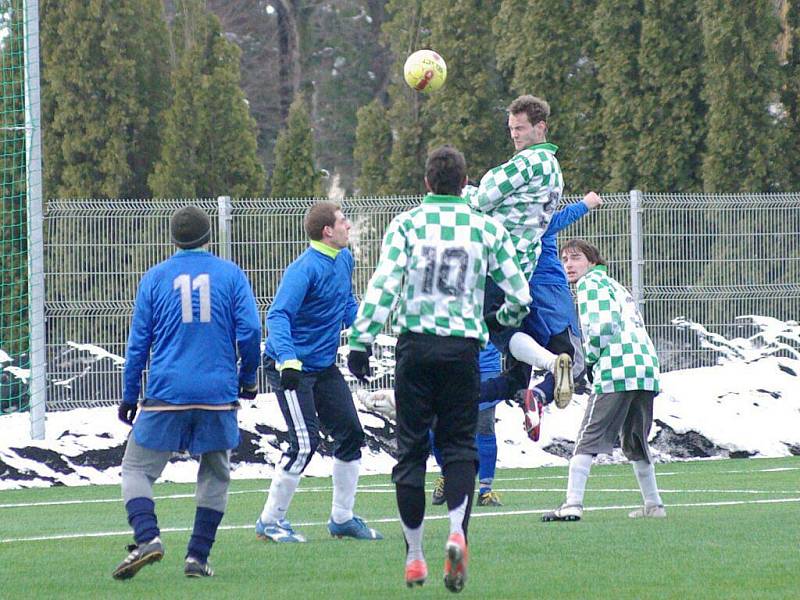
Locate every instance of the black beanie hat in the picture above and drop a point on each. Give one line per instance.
(190, 227)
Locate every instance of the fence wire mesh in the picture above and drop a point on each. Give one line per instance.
(708, 258)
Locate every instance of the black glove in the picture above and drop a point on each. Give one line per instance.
(248, 391)
(358, 363)
(590, 372)
(492, 324)
(290, 378)
(127, 412)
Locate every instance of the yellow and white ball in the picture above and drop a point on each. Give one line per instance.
(425, 71)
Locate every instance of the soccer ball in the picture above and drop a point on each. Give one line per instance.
(425, 71)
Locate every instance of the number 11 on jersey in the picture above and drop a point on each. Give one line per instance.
(186, 284)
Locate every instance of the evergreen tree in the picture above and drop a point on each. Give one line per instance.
(555, 60)
(210, 138)
(469, 112)
(344, 61)
(105, 73)
(373, 146)
(295, 174)
(746, 143)
(790, 88)
(616, 28)
(671, 117)
(403, 33)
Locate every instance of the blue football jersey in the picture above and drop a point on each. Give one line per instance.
(194, 313)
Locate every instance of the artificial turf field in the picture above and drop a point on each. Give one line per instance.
(732, 531)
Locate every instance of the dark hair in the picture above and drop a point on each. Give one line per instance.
(320, 215)
(591, 253)
(536, 108)
(445, 170)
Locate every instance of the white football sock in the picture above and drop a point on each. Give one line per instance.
(414, 541)
(457, 517)
(281, 491)
(579, 467)
(646, 476)
(523, 347)
(345, 482)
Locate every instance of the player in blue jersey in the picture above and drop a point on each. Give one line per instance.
(313, 303)
(194, 317)
(552, 322)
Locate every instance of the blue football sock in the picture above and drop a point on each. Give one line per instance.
(206, 522)
(547, 389)
(142, 517)
(496, 388)
(487, 457)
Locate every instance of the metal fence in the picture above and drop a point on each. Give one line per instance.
(708, 258)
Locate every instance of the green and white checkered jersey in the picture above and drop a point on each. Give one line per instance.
(432, 274)
(614, 336)
(522, 194)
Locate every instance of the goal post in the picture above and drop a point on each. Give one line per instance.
(22, 359)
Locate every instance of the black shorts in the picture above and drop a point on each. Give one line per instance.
(437, 382)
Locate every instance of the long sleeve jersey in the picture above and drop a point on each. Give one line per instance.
(522, 195)
(192, 312)
(314, 302)
(433, 266)
(616, 343)
(549, 268)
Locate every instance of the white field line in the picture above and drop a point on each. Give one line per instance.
(480, 515)
(376, 488)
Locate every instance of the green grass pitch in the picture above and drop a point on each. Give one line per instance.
(732, 531)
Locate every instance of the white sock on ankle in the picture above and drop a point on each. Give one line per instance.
(281, 491)
(646, 476)
(579, 467)
(523, 347)
(345, 482)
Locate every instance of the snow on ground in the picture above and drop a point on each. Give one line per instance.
(747, 405)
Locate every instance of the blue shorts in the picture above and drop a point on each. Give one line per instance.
(484, 376)
(552, 311)
(196, 430)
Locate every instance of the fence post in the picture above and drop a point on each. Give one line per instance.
(637, 249)
(225, 220)
(37, 390)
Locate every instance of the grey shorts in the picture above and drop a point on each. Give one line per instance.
(624, 415)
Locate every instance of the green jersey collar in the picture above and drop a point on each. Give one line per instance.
(599, 268)
(442, 199)
(544, 146)
(324, 248)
